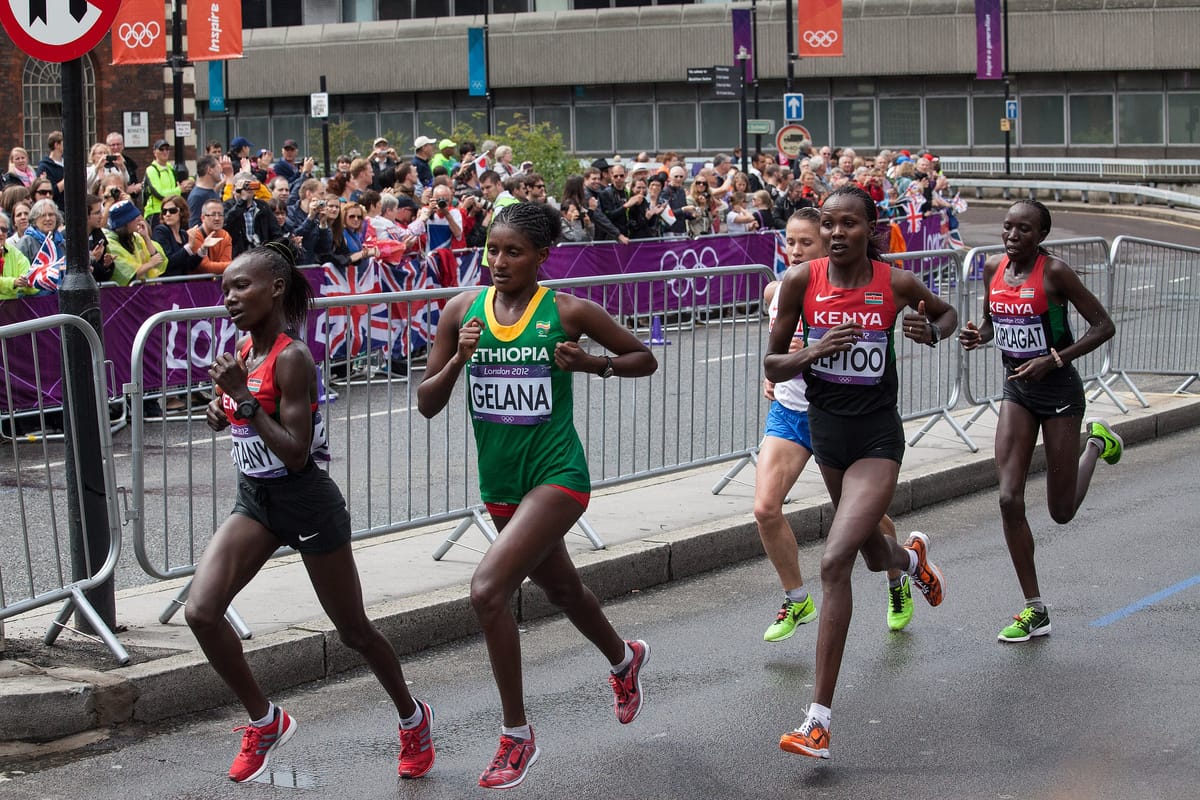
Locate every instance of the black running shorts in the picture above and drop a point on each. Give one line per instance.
(1059, 394)
(839, 441)
(305, 510)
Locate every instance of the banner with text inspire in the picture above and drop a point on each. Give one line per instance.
(214, 30)
(139, 34)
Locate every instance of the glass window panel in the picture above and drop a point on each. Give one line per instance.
(254, 13)
(318, 12)
(1091, 119)
(432, 8)
(1185, 118)
(256, 129)
(358, 10)
(816, 120)
(718, 125)
(900, 122)
(510, 116)
(464, 8)
(397, 126)
(1141, 117)
(593, 129)
(946, 122)
(985, 118)
(395, 9)
(677, 126)
(578, 4)
(434, 123)
(361, 132)
(1041, 119)
(635, 127)
(286, 128)
(284, 13)
(854, 123)
(559, 118)
(509, 6)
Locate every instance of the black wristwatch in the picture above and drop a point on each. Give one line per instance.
(607, 372)
(247, 408)
(935, 334)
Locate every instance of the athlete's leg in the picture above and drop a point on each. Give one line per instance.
(1068, 475)
(560, 580)
(861, 495)
(236, 553)
(527, 538)
(780, 463)
(1016, 435)
(887, 527)
(335, 580)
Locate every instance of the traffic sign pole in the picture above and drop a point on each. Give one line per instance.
(325, 132)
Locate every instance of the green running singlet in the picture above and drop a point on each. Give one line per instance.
(521, 404)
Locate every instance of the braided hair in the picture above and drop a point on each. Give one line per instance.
(538, 223)
(874, 249)
(280, 258)
(1043, 212)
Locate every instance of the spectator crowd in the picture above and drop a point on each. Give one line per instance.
(146, 223)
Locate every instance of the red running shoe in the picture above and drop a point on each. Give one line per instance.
(628, 685)
(928, 578)
(416, 746)
(810, 739)
(259, 743)
(513, 759)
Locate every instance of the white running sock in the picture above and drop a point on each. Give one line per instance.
(520, 732)
(617, 669)
(1036, 604)
(265, 721)
(797, 595)
(820, 713)
(912, 561)
(408, 723)
(894, 583)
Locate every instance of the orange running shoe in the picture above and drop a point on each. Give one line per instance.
(810, 739)
(928, 578)
(513, 759)
(416, 746)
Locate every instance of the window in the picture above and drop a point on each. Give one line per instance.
(395, 9)
(854, 123)
(1042, 119)
(1091, 119)
(677, 126)
(1141, 118)
(559, 119)
(434, 123)
(816, 120)
(946, 122)
(900, 121)
(635, 127)
(718, 125)
(986, 115)
(593, 129)
(510, 116)
(254, 13)
(1185, 118)
(284, 128)
(431, 8)
(284, 13)
(320, 12)
(256, 129)
(362, 131)
(42, 103)
(397, 126)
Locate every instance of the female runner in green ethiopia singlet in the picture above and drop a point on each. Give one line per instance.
(519, 344)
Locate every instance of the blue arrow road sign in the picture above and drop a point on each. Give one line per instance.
(1010, 109)
(793, 107)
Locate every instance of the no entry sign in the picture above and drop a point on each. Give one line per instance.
(57, 30)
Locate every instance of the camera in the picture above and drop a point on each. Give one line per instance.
(110, 160)
(318, 204)
(442, 203)
(114, 192)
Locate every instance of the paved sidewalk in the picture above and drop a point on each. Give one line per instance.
(655, 531)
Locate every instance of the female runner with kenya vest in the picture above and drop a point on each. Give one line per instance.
(1026, 315)
(518, 343)
(849, 303)
(267, 396)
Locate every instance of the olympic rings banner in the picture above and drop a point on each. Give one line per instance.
(139, 33)
(820, 28)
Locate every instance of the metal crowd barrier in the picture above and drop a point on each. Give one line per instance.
(1156, 305)
(36, 539)
(983, 374)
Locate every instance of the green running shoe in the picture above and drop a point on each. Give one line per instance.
(790, 615)
(1026, 625)
(1114, 445)
(900, 605)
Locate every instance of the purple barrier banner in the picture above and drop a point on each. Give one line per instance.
(989, 61)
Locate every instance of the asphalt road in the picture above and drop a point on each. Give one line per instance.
(1104, 707)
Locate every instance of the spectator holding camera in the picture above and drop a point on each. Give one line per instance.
(101, 162)
(739, 219)
(445, 223)
(100, 262)
(307, 222)
(383, 156)
(248, 220)
(704, 208)
(576, 226)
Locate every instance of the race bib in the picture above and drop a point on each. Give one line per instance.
(1020, 337)
(862, 364)
(252, 456)
(511, 394)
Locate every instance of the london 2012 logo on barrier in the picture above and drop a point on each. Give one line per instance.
(820, 38)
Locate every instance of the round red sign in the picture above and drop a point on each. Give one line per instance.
(57, 30)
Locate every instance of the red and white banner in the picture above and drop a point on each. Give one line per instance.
(214, 30)
(820, 28)
(139, 33)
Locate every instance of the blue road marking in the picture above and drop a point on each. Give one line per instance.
(1145, 602)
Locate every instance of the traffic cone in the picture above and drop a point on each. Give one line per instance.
(656, 333)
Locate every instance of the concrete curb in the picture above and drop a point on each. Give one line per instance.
(40, 705)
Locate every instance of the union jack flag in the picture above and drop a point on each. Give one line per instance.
(45, 273)
(353, 329)
(414, 322)
(781, 255)
(914, 215)
(469, 273)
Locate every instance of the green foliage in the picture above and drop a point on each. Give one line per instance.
(540, 143)
(344, 141)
